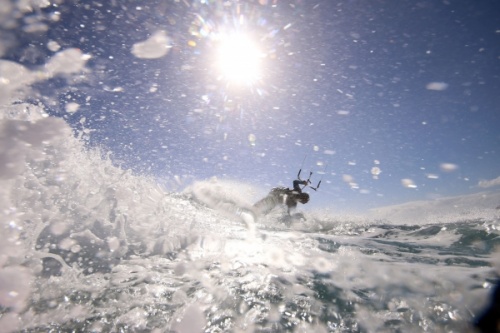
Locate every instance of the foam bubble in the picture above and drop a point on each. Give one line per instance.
(437, 86)
(154, 47)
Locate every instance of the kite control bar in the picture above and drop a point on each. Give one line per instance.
(308, 181)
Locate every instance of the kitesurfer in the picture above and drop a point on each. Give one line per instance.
(286, 196)
(283, 195)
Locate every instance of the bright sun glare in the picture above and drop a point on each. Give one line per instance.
(238, 59)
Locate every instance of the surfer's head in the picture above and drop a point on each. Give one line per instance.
(303, 198)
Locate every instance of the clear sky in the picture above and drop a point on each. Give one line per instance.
(392, 100)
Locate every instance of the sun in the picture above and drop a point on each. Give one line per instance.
(238, 59)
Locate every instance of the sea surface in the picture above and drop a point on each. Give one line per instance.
(89, 247)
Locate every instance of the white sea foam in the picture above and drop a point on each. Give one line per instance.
(476, 206)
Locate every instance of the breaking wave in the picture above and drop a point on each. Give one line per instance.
(88, 246)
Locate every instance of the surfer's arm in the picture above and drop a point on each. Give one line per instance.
(297, 183)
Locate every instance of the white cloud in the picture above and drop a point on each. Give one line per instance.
(489, 183)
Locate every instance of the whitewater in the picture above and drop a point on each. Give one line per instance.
(87, 246)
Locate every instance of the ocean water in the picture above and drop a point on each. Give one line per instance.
(89, 247)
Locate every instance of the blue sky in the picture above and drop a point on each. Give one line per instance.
(393, 100)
